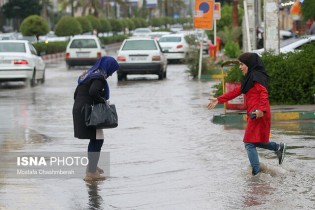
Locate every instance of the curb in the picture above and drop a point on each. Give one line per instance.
(53, 56)
(276, 116)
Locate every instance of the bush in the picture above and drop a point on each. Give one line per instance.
(231, 49)
(292, 77)
(113, 39)
(68, 26)
(117, 25)
(207, 68)
(85, 24)
(50, 47)
(105, 25)
(96, 25)
(34, 25)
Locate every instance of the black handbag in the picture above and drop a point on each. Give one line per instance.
(100, 116)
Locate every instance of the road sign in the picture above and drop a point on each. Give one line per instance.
(217, 11)
(203, 17)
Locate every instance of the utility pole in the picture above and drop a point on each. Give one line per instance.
(271, 19)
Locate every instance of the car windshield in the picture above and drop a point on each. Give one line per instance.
(170, 39)
(12, 47)
(140, 45)
(83, 43)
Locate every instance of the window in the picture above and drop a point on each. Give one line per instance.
(140, 45)
(170, 39)
(12, 47)
(83, 43)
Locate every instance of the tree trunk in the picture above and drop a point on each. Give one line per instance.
(235, 14)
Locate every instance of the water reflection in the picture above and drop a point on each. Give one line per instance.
(95, 200)
(257, 191)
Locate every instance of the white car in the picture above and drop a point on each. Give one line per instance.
(158, 34)
(19, 62)
(51, 37)
(141, 56)
(290, 45)
(141, 32)
(176, 28)
(175, 46)
(84, 50)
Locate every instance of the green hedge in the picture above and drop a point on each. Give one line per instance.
(113, 39)
(50, 47)
(292, 77)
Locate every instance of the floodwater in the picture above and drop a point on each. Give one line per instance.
(165, 154)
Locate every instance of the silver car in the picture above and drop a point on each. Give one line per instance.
(19, 62)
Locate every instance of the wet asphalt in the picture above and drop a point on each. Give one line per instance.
(165, 154)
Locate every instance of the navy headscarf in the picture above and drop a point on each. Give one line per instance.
(256, 71)
(104, 67)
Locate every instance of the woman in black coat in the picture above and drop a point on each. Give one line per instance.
(92, 88)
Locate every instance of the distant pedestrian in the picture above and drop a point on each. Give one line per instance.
(92, 88)
(254, 87)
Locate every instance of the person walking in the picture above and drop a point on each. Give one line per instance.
(92, 88)
(254, 87)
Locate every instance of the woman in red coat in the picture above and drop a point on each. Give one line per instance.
(254, 86)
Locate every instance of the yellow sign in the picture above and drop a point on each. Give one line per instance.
(203, 17)
(217, 11)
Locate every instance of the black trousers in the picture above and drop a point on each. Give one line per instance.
(94, 150)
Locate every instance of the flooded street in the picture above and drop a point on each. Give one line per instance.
(165, 154)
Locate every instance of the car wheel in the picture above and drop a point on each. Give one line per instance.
(43, 78)
(121, 76)
(33, 79)
(161, 75)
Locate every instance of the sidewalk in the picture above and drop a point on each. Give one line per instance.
(278, 113)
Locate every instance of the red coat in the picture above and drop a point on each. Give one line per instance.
(257, 130)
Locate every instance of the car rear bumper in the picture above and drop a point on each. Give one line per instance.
(15, 74)
(175, 55)
(140, 68)
(81, 61)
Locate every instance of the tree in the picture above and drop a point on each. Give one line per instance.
(68, 26)
(308, 9)
(105, 25)
(85, 24)
(117, 26)
(34, 25)
(94, 22)
(20, 9)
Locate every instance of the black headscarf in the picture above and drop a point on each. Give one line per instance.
(256, 71)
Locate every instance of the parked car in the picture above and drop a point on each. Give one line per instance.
(291, 45)
(175, 28)
(141, 56)
(19, 62)
(7, 36)
(175, 46)
(51, 37)
(157, 34)
(141, 32)
(83, 50)
(202, 35)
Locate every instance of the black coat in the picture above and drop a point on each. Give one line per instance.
(86, 93)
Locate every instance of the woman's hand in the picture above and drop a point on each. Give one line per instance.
(213, 103)
(259, 113)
